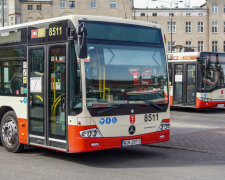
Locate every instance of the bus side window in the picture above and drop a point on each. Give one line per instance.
(11, 78)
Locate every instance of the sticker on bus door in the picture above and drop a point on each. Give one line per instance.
(178, 78)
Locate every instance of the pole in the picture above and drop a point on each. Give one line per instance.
(171, 21)
(3, 21)
(171, 34)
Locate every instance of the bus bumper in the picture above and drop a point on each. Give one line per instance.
(79, 144)
(208, 104)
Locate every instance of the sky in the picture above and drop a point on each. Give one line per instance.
(166, 3)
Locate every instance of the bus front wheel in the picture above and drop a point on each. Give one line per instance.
(9, 133)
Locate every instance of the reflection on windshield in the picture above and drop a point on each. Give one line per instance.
(211, 73)
(121, 74)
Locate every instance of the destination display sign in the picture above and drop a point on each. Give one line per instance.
(184, 58)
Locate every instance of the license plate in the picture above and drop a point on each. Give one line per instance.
(131, 142)
(220, 105)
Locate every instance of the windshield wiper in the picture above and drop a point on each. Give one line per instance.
(148, 103)
(113, 107)
(118, 106)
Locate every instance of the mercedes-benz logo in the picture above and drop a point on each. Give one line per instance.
(131, 129)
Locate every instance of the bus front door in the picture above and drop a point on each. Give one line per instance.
(178, 83)
(191, 84)
(184, 83)
(37, 96)
(47, 96)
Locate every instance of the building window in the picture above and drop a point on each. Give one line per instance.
(113, 5)
(173, 48)
(214, 46)
(214, 9)
(173, 27)
(200, 27)
(200, 14)
(171, 14)
(72, 4)
(154, 22)
(223, 26)
(30, 7)
(223, 46)
(93, 4)
(188, 27)
(154, 14)
(62, 4)
(188, 14)
(200, 46)
(142, 14)
(188, 43)
(17, 20)
(39, 7)
(214, 27)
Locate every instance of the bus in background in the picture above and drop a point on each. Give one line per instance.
(65, 84)
(196, 79)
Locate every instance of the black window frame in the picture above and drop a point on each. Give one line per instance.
(30, 7)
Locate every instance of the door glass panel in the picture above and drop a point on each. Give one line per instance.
(57, 89)
(178, 84)
(36, 88)
(170, 74)
(191, 76)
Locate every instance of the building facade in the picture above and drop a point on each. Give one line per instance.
(197, 28)
(3, 13)
(35, 10)
(216, 20)
(189, 26)
(14, 12)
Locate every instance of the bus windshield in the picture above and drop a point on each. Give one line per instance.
(211, 71)
(119, 73)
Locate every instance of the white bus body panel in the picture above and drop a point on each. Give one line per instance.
(18, 104)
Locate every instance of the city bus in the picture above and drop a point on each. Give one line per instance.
(196, 79)
(66, 84)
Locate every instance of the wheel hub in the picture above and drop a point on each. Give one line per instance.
(9, 132)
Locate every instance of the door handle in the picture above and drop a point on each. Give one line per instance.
(63, 104)
(31, 100)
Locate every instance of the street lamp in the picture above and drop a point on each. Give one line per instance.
(171, 5)
(3, 21)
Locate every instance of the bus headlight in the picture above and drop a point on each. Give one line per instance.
(205, 99)
(164, 125)
(90, 133)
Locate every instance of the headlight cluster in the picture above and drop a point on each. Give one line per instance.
(164, 126)
(205, 99)
(90, 133)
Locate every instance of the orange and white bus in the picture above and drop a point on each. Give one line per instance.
(64, 84)
(197, 79)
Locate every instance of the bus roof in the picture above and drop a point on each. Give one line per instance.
(76, 18)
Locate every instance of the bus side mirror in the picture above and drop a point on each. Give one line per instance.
(82, 41)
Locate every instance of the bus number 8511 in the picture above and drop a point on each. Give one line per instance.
(151, 117)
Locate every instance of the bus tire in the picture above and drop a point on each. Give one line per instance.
(9, 133)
